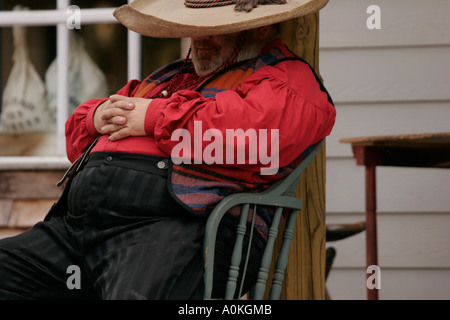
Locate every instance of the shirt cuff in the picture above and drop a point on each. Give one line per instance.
(154, 112)
(90, 119)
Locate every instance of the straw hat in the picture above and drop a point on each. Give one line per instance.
(173, 19)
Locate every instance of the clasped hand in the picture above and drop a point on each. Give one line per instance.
(121, 117)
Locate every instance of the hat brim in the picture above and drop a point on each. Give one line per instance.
(172, 19)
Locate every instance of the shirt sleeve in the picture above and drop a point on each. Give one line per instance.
(80, 130)
(285, 98)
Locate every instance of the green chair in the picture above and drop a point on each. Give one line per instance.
(281, 196)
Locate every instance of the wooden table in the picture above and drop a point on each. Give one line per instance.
(427, 150)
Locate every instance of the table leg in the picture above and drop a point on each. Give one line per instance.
(371, 226)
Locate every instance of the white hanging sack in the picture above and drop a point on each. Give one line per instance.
(24, 103)
(86, 80)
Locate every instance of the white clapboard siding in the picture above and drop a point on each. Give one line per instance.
(387, 74)
(407, 284)
(413, 263)
(361, 119)
(423, 242)
(343, 23)
(399, 189)
(395, 80)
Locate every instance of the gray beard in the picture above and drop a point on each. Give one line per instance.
(249, 50)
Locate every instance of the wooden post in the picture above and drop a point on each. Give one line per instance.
(305, 274)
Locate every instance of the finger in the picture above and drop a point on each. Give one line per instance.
(121, 101)
(117, 120)
(123, 104)
(111, 128)
(112, 112)
(117, 97)
(120, 134)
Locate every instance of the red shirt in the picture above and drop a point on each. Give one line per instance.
(285, 96)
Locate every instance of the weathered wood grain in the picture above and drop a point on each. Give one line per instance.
(30, 184)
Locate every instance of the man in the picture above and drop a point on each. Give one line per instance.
(135, 215)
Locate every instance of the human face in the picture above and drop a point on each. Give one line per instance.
(208, 53)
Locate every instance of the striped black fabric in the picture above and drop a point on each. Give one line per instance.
(124, 232)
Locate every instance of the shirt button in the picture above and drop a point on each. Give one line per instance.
(161, 164)
(108, 158)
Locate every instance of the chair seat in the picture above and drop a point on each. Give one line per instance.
(339, 231)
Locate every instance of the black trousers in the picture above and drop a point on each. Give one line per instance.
(123, 237)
